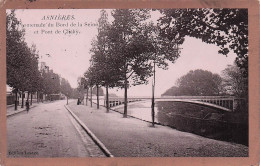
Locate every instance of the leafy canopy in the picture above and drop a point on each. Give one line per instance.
(227, 28)
(197, 83)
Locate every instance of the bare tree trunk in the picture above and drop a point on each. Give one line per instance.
(91, 96)
(22, 100)
(37, 96)
(107, 99)
(87, 97)
(15, 104)
(31, 98)
(97, 97)
(125, 103)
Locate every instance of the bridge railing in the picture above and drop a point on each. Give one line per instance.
(118, 101)
(226, 103)
(198, 97)
(229, 102)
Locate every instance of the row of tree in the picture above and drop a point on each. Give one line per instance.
(204, 83)
(23, 73)
(126, 50)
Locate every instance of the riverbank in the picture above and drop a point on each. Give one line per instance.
(130, 137)
(192, 118)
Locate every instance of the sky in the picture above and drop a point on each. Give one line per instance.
(68, 53)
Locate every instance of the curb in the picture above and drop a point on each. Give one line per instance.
(93, 137)
(18, 112)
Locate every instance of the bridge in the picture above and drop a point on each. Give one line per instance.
(224, 103)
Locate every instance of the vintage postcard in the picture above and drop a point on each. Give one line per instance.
(129, 83)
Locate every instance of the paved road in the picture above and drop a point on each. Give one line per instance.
(48, 130)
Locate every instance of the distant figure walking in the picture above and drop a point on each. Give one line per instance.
(78, 103)
(27, 105)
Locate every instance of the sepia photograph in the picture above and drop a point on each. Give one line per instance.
(127, 82)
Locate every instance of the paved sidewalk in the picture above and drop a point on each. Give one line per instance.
(130, 137)
(48, 130)
(10, 109)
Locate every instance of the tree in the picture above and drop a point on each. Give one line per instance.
(14, 42)
(14, 38)
(102, 60)
(234, 82)
(125, 51)
(19, 70)
(22, 61)
(173, 91)
(100, 91)
(51, 82)
(197, 83)
(65, 88)
(130, 47)
(33, 80)
(90, 77)
(85, 85)
(227, 28)
(93, 75)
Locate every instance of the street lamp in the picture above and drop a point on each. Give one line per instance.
(176, 49)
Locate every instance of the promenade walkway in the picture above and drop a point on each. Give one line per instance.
(10, 109)
(48, 130)
(130, 137)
